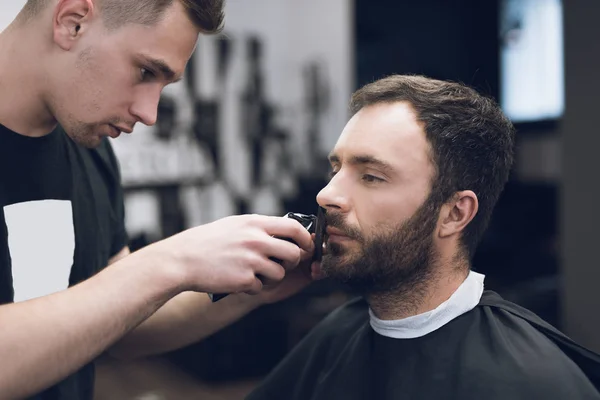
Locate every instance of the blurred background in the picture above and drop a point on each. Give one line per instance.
(249, 128)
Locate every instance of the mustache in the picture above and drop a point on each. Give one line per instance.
(336, 220)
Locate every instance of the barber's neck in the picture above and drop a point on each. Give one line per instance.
(446, 276)
(23, 108)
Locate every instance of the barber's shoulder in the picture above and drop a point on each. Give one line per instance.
(101, 159)
(105, 150)
(104, 155)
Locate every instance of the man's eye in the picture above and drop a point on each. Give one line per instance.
(146, 74)
(332, 174)
(371, 178)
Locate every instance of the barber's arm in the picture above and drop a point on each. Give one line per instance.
(46, 339)
(191, 317)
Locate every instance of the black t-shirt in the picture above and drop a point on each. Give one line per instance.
(61, 219)
(497, 351)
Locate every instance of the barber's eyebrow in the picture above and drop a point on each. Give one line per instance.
(161, 67)
(364, 160)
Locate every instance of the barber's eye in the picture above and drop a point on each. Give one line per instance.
(332, 174)
(146, 74)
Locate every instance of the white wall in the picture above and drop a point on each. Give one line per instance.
(9, 10)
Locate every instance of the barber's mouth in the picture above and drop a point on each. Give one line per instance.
(114, 132)
(117, 130)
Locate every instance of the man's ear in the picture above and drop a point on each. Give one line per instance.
(458, 213)
(70, 20)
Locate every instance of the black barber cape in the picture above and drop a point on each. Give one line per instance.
(496, 351)
(61, 219)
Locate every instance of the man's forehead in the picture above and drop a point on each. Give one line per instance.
(387, 132)
(375, 135)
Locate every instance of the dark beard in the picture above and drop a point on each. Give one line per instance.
(398, 262)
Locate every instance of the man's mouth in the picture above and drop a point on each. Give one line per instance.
(335, 235)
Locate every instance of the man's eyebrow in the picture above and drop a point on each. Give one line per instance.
(364, 160)
(162, 67)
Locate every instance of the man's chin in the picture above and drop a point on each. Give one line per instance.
(336, 267)
(340, 274)
(342, 249)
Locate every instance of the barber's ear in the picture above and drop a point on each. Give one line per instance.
(458, 213)
(70, 20)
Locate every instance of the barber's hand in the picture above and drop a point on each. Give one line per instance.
(295, 280)
(234, 254)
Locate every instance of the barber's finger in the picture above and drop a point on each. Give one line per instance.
(307, 255)
(256, 287)
(289, 228)
(284, 252)
(270, 271)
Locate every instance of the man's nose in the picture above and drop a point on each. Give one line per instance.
(333, 197)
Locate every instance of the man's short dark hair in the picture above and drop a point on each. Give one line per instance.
(472, 141)
(207, 15)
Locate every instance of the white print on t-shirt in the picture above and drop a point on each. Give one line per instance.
(41, 241)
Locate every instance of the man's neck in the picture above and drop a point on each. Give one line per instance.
(421, 298)
(23, 108)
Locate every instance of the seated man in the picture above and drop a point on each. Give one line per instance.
(415, 176)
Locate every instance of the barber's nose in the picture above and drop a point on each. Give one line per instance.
(145, 108)
(333, 197)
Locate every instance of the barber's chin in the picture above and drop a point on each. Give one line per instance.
(89, 141)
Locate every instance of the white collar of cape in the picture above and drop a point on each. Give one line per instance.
(464, 299)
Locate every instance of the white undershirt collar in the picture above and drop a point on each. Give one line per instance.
(464, 299)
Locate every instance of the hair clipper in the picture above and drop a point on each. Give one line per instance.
(313, 224)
